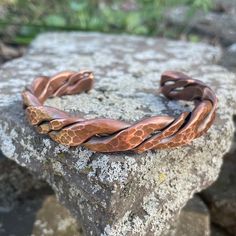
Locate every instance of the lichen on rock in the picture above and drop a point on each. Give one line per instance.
(119, 193)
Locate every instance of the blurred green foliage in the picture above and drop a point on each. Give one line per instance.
(26, 18)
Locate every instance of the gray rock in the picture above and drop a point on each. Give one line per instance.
(214, 24)
(217, 231)
(41, 215)
(194, 220)
(228, 59)
(44, 216)
(118, 194)
(21, 220)
(15, 183)
(2, 156)
(221, 196)
(55, 220)
(228, 6)
(21, 194)
(8, 52)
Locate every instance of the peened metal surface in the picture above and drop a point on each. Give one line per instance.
(108, 135)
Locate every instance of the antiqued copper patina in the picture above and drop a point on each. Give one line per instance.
(108, 135)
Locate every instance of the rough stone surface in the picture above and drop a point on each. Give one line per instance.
(216, 24)
(55, 220)
(118, 194)
(15, 183)
(21, 194)
(228, 6)
(221, 196)
(21, 220)
(9, 52)
(39, 216)
(228, 59)
(194, 220)
(217, 231)
(29, 205)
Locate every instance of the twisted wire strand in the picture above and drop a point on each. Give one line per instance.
(109, 135)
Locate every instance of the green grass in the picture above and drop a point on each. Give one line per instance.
(144, 17)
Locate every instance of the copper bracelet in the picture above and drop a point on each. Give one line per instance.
(109, 135)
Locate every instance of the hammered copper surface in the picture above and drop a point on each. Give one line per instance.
(108, 135)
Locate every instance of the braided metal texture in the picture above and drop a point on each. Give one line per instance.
(109, 135)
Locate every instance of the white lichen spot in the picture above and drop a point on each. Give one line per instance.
(58, 168)
(6, 142)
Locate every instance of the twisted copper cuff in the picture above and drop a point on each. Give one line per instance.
(108, 135)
